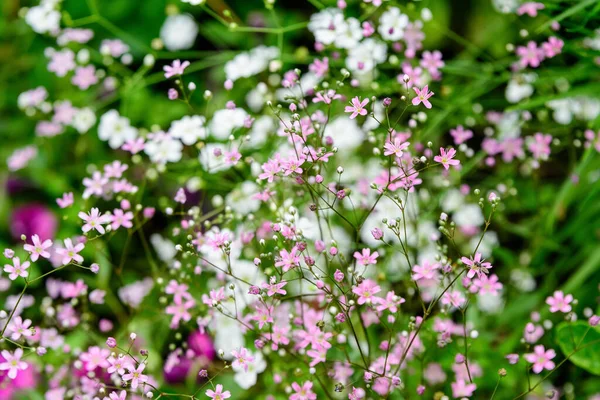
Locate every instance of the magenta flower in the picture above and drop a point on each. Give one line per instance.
(357, 107)
(70, 252)
(423, 96)
(477, 266)
(33, 219)
(176, 69)
(17, 269)
(13, 363)
(38, 248)
(540, 358)
(218, 393)
(559, 302)
(446, 158)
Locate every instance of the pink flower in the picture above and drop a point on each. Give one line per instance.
(135, 375)
(395, 148)
(232, 157)
(62, 62)
(70, 252)
(476, 265)
(13, 363)
(454, 298)
(366, 291)
(512, 358)
(66, 200)
(288, 260)
(94, 185)
(426, 271)
(180, 311)
(38, 248)
(119, 218)
(120, 396)
(552, 47)
(559, 302)
(85, 77)
(446, 158)
(512, 148)
(540, 358)
(423, 96)
(274, 287)
(177, 68)
(180, 196)
(530, 55)
(303, 392)
(487, 285)
(95, 357)
(462, 389)
(17, 269)
(319, 67)
(93, 220)
(366, 258)
(20, 328)
(539, 145)
(218, 393)
(432, 62)
(461, 134)
(357, 107)
(242, 358)
(530, 8)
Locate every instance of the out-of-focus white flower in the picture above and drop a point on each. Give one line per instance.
(345, 132)
(247, 379)
(163, 148)
(250, 63)
(225, 121)
(43, 19)
(520, 87)
(83, 120)
(179, 32)
(240, 199)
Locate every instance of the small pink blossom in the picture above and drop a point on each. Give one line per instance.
(94, 220)
(176, 69)
(530, 8)
(17, 269)
(446, 158)
(85, 77)
(38, 248)
(541, 358)
(477, 265)
(461, 134)
(559, 302)
(357, 107)
(70, 252)
(218, 393)
(135, 375)
(423, 96)
(13, 363)
(366, 258)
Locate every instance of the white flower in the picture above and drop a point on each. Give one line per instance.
(392, 24)
(83, 120)
(324, 25)
(179, 32)
(165, 249)
(366, 55)
(251, 63)
(194, 2)
(240, 199)
(345, 132)
(43, 19)
(228, 333)
(225, 121)
(469, 215)
(189, 129)
(257, 97)
(506, 6)
(260, 131)
(163, 149)
(115, 129)
(348, 34)
(247, 379)
(519, 88)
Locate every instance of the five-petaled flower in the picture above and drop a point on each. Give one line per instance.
(476, 265)
(218, 393)
(176, 69)
(38, 248)
(17, 269)
(13, 363)
(357, 107)
(423, 96)
(446, 158)
(541, 358)
(559, 302)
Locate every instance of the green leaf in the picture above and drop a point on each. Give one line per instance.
(586, 339)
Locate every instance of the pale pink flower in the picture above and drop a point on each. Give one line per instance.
(242, 358)
(366, 258)
(461, 134)
(120, 218)
(17, 269)
(530, 55)
(397, 148)
(176, 69)
(38, 248)
(13, 363)
(20, 327)
(135, 375)
(477, 265)
(94, 220)
(218, 393)
(552, 47)
(180, 196)
(303, 392)
(366, 292)
(530, 8)
(460, 388)
(62, 62)
(66, 200)
(85, 77)
(70, 252)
